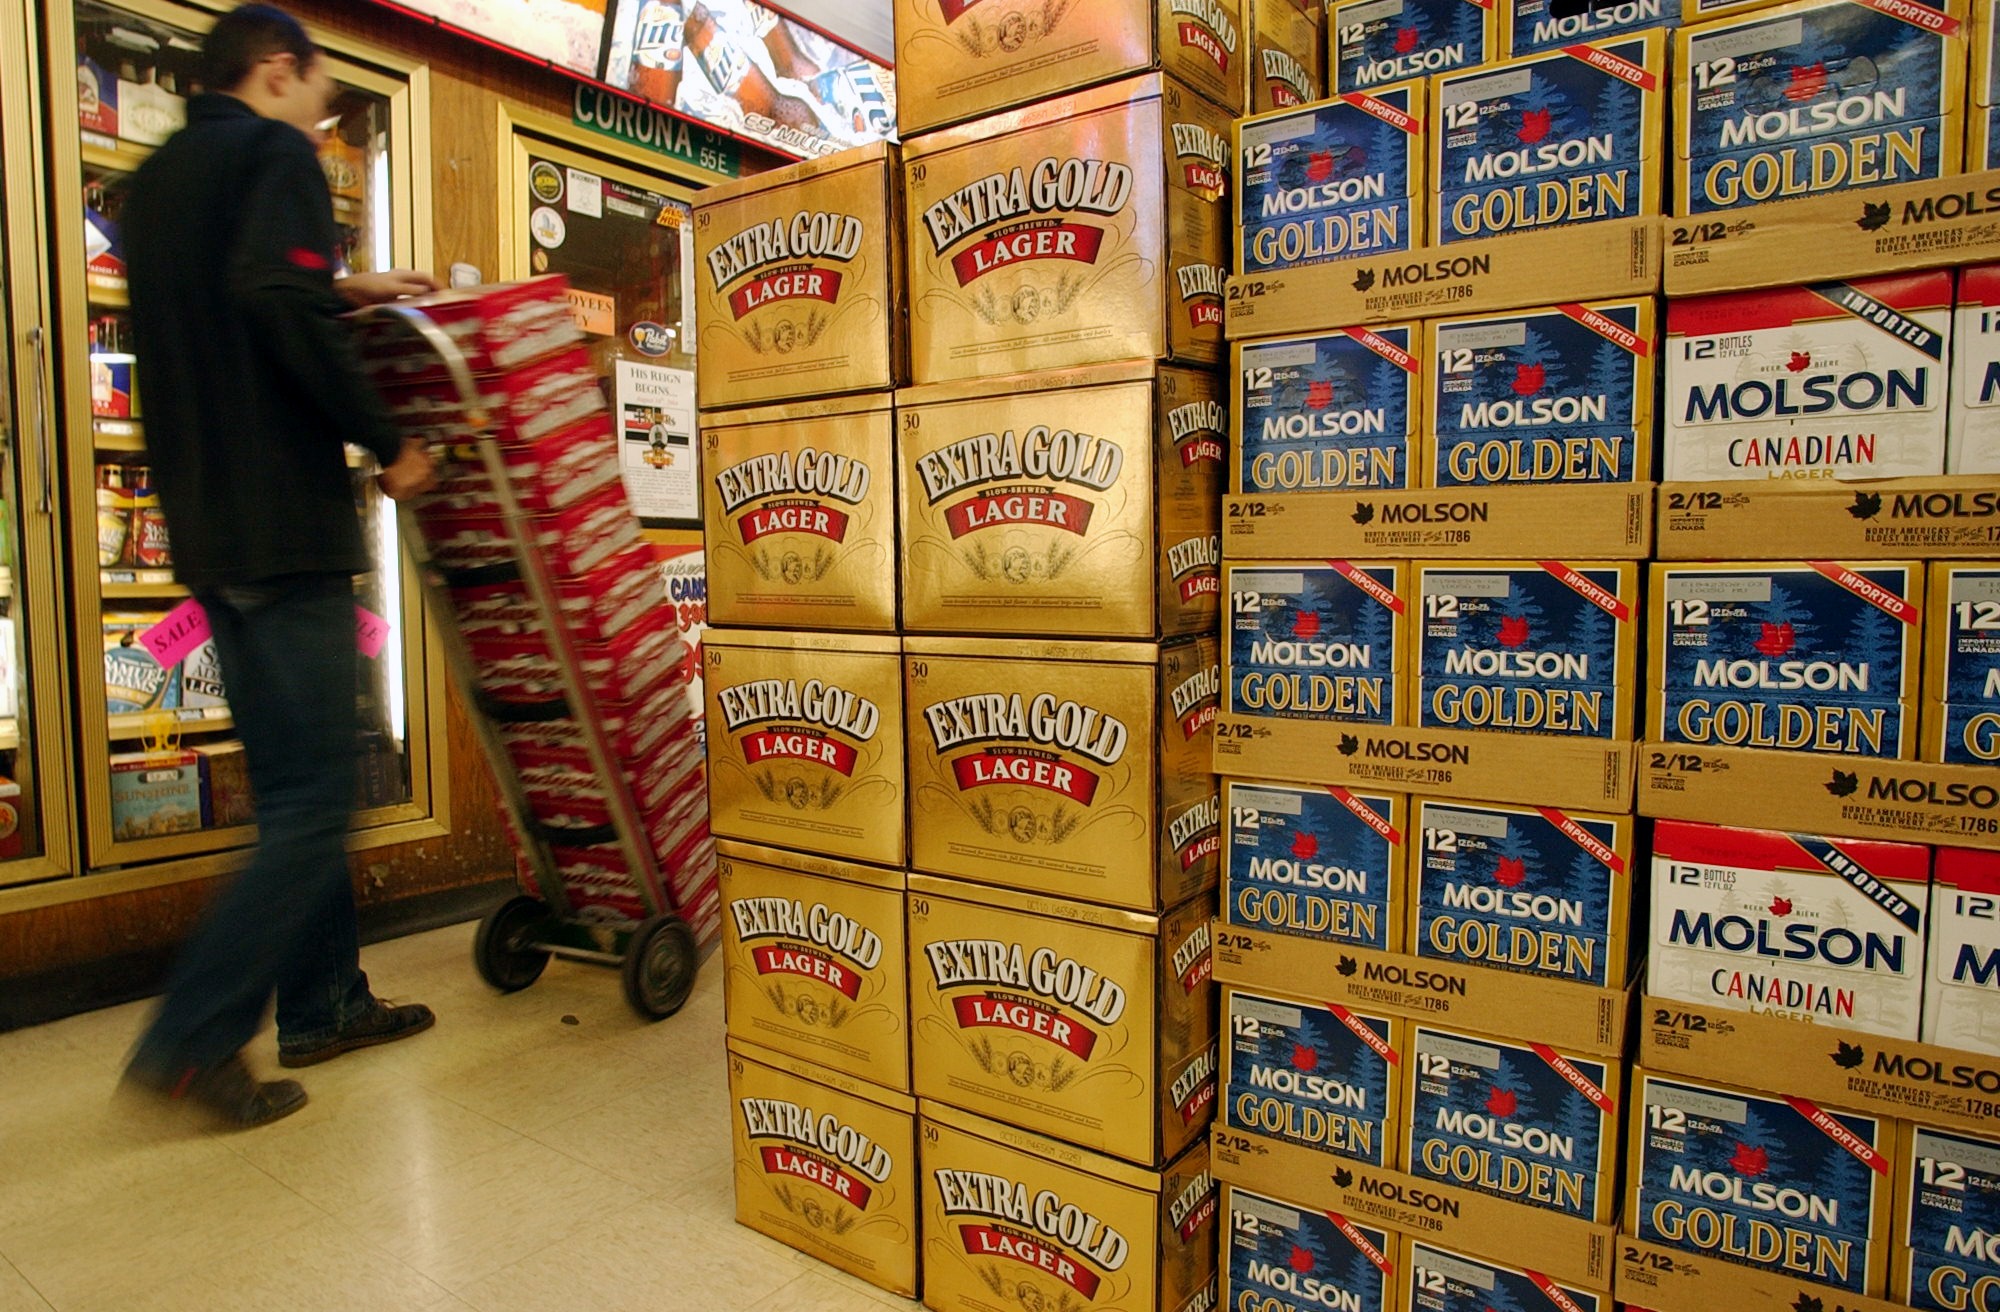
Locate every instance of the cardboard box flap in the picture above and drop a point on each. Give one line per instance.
(828, 407)
(1055, 380)
(1035, 904)
(892, 1099)
(777, 858)
(1120, 653)
(1064, 1154)
(865, 644)
(1608, 521)
(1816, 519)
(791, 175)
(1131, 91)
(1662, 1279)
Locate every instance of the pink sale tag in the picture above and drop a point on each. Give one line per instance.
(173, 638)
(371, 631)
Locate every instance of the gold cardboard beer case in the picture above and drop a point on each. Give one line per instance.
(1078, 231)
(965, 59)
(1288, 45)
(826, 1164)
(798, 281)
(814, 958)
(805, 741)
(800, 506)
(1093, 1025)
(1054, 503)
(1074, 769)
(1013, 1220)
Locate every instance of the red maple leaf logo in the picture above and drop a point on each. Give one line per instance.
(1305, 845)
(1749, 1162)
(1800, 362)
(1301, 1261)
(1510, 871)
(1777, 639)
(1534, 126)
(1406, 40)
(1319, 166)
(1304, 1058)
(1319, 395)
(1528, 379)
(1514, 631)
(1305, 624)
(1502, 1102)
(1808, 82)
(1781, 906)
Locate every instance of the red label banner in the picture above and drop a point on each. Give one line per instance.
(1036, 770)
(1603, 325)
(1868, 590)
(794, 517)
(1916, 15)
(1202, 448)
(1831, 1127)
(1583, 838)
(1054, 509)
(1198, 719)
(1366, 814)
(1206, 177)
(1196, 37)
(771, 960)
(798, 745)
(805, 1166)
(1362, 1244)
(1198, 1102)
(1199, 1217)
(985, 1241)
(1376, 1043)
(1206, 313)
(1612, 64)
(1578, 1080)
(799, 283)
(1200, 849)
(1204, 584)
(1043, 239)
(1603, 600)
(954, 10)
(1556, 1293)
(988, 1011)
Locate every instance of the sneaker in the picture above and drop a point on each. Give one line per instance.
(229, 1093)
(380, 1024)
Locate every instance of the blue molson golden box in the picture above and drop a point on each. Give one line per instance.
(1331, 181)
(1804, 656)
(1817, 96)
(1341, 409)
(1962, 664)
(1759, 1180)
(1316, 640)
(1523, 888)
(1323, 863)
(1519, 1121)
(1528, 647)
(1947, 1221)
(1535, 29)
(1560, 394)
(1982, 115)
(1322, 1077)
(1372, 43)
(1444, 1281)
(1283, 1256)
(1570, 136)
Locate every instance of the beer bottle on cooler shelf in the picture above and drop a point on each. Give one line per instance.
(659, 41)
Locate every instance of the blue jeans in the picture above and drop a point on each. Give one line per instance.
(286, 924)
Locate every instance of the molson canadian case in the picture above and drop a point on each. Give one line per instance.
(1947, 1218)
(1962, 995)
(1318, 640)
(815, 960)
(1053, 503)
(1560, 394)
(1325, 1078)
(1015, 1220)
(1830, 380)
(1329, 411)
(1093, 1025)
(1805, 656)
(1323, 863)
(1531, 889)
(1371, 43)
(1537, 29)
(964, 59)
(1962, 665)
(1077, 231)
(1829, 930)
(798, 281)
(1972, 444)
(826, 1164)
(1079, 770)
(1528, 647)
(1288, 49)
(800, 504)
(1331, 181)
(1760, 1180)
(1569, 136)
(1817, 96)
(805, 735)
(1286, 1257)
(1444, 1281)
(1519, 1121)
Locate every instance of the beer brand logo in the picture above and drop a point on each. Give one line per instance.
(1287, 79)
(825, 935)
(816, 709)
(1207, 153)
(1190, 1209)
(816, 1148)
(651, 339)
(1201, 292)
(1197, 429)
(1196, 565)
(782, 255)
(1041, 992)
(805, 479)
(1196, 833)
(1039, 1230)
(1193, 962)
(1043, 722)
(1044, 454)
(1196, 699)
(1008, 203)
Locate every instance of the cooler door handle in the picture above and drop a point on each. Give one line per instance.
(38, 337)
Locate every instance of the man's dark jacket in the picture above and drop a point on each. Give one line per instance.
(251, 384)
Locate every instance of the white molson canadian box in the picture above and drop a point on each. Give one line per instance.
(1077, 231)
(1016, 1220)
(826, 1164)
(1329, 411)
(1322, 1077)
(1537, 28)
(1319, 862)
(1761, 1180)
(1962, 995)
(1947, 1215)
(1827, 930)
(1049, 504)
(1817, 96)
(1079, 770)
(1318, 640)
(1962, 664)
(1288, 47)
(1831, 380)
(1284, 1256)
(1093, 1025)
(1972, 444)
(1332, 181)
(1372, 43)
(1443, 1281)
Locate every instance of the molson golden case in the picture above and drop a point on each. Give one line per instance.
(1056, 503)
(1077, 231)
(1288, 53)
(1014, 1220)
(1075, 769)
(1320, 862)
(1322, 1077)
(826, 1164)
(1962, 664)
(815, 960)
(800, 505)
(1328, 411)
(1982, 115)
(798, 281)
(1537, 28)
(1947, 1214)
(805, 734)
(1286, 1257)
(1334, 180)
(1091, 1024)
(1371, 43)
(1319, 640)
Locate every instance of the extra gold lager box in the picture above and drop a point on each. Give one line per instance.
(800, 506)
(1045, 504)
(1075, 769)
(965, 59)
(798, 281)
(1077, 231)
(805, 734)
(815, 960)
(1016, 1220)
(1091, 1024)
(826, 1164)
(1288, 50)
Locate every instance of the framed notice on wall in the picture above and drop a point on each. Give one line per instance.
(655, 414)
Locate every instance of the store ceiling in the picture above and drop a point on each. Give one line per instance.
(863, 24)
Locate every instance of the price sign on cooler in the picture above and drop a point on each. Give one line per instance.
(656, 440)
(371, 632)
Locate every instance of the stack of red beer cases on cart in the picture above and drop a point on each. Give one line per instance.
(539, 389)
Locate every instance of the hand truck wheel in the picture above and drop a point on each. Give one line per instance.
(504, 950)
(660, 966)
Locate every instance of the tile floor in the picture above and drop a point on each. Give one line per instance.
(541, 1152)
